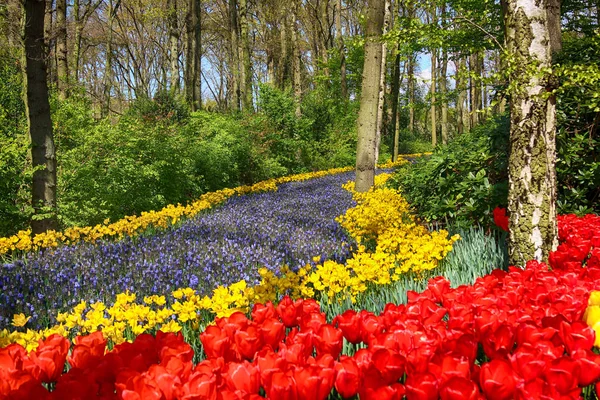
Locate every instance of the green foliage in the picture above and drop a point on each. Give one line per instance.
(15, 171)
(111, 170)
(578, 117)
(463, 181)
(411, 143)
(164, 107)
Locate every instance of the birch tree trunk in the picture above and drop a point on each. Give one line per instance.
(381, 96)
(367, 115)
(43, 155)
(532, 173)
(411, 93)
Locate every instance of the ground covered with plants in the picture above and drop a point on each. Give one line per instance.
(300, 289)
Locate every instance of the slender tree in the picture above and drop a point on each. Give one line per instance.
(61, 49)
(367, 115)
(341, 49)
(532, 172)
(43, 155)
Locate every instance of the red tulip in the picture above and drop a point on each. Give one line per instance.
(314, 382)
(347, 381)
(500, 218)
(50, 357)
(329, 340)
(261, 313)
(273, 332)
(563, 374)
(497, 380)
(286, 309)
(216, 343)
(244, 377)
(577, 335)
(589, 366)
(349, 323)
(248, 341)
(168, 383)
(459, 388)
(200, 386)
(139, 387)
(421, 387)
(389, 364)
(498, 343)
(281, 386)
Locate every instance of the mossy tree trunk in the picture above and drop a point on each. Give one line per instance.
(367, 116)
(532, 173)
(43, 155)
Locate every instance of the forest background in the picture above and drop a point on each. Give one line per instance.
(155, 102)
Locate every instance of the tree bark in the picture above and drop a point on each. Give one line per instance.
(394, 98)
(61, 49)
(193, 59)
(475, 92)
(462, 109)
(433, 83)
(173, 44)
(108, 66)
(532, 173)
(246, 61)
(43, 154)
(367, 115)
(296, 62)
(341, 49)
(411, 93)
(381, 97)
(554, 30)
(234, 55)
(444, 105)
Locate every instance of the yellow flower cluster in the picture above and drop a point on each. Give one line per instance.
(592, 315)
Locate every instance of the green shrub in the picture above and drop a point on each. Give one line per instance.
(578, 119)
(463, 181)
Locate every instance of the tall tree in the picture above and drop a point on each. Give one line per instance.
(43, 155)
(297, 60)
(246, 76)
(433, 100)
(387, 17)
(193, 60)
(234, 55)
(173, 44)
(367, 115)
(61, 49)
(532, 172)
(341, 49)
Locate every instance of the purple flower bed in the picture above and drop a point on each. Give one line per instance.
(229, 243)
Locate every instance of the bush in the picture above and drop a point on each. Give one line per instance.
(463, 181)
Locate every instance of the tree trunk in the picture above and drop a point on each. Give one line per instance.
(462, 112)
(296, 62)
(367, 115)
(193, 59)
(381, 97)
(554, 31)
(532, 173)
(173, 44)
(340, 40)
(444, 105)
(234, 55)
(43, 154)
(394, 98)
(246, 62)
(49, 40)
(475, 82)
(411, 93)
(61, 49)
(433, 83)
(108, 67)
